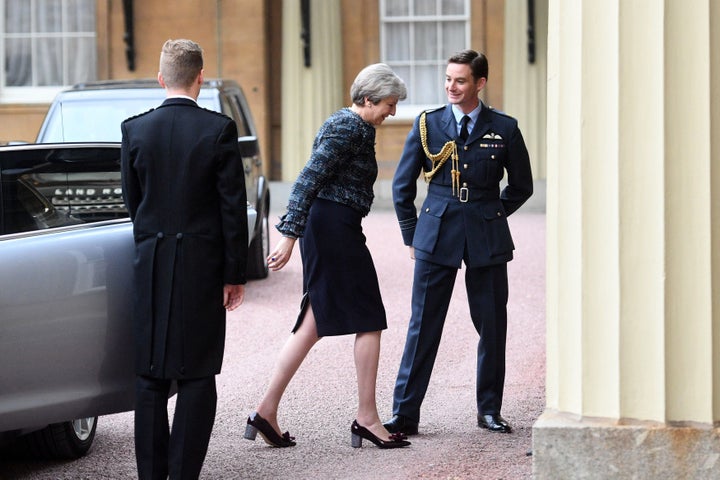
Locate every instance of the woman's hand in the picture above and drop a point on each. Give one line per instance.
(282, 253)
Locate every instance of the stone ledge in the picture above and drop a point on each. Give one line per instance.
(566, 447)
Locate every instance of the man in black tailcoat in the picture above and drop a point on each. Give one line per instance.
(184, 187)
(463, 150)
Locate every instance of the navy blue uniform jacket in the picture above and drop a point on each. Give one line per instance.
(448, 230)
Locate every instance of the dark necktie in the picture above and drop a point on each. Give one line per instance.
(463, 127)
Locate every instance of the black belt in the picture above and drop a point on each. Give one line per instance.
(466, 194)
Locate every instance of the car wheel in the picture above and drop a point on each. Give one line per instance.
(65, 440)
(260, 249)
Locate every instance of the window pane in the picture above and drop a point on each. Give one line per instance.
(424, 7)
(404, 73)
(48, 16)
(80, 15)
(418, 45)
(452, 7)
(396, 8)
(426, 41)
(397, 43)
(49, 62)
(60, 44)
(17, 17)
(429, 85)
(81, 71)
(453, 38)
(18, 65)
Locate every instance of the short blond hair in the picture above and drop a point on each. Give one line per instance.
(181, 61)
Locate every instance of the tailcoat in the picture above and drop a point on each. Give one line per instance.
(184, 186)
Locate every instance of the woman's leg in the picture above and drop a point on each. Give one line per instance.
(367, 357)
(291, 356)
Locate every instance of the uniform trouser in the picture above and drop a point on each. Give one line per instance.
(487, 291)
(179, 453)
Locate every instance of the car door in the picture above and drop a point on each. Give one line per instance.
(65, 286)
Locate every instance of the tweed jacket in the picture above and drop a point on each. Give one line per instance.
(342, 168)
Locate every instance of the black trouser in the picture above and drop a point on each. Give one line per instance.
(181, 453)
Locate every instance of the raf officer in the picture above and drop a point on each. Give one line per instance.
(463, 151)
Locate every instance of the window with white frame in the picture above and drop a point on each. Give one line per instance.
(45, 45)
(416, 39)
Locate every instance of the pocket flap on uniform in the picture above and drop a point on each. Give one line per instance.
(435, 208)
(493, 211)
(427, 229)
(497, 231)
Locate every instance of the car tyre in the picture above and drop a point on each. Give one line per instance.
(66, 440)
(259, 248)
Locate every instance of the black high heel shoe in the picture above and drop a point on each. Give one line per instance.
(397, 440)
(255, 424)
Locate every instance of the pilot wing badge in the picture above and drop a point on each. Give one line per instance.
(493, 136)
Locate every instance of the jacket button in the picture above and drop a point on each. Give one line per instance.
(465, 165)
(160, 235)
(427, 210)
(152, 367)
(492, 157)
(499, 214)
(179, 236)
(465, 147)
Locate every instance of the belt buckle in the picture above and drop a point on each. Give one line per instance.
(464, 194)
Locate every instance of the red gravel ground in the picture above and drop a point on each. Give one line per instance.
(320, 403)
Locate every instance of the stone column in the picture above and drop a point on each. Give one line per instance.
(309, 94)
(633, 225)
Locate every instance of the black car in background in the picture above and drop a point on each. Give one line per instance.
(93, 112)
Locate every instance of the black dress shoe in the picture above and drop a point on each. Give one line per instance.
(400, 424)
(494, 423)
(257, 424)
(397, 440)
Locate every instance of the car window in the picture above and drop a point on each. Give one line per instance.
(42, 189)
(229, 109)
(97, 118)
(93, 120)
(93, 194)
(24, 207)
(243, 126)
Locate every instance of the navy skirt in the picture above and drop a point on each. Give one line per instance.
(339, 277)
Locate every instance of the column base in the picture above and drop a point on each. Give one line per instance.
(567, 447)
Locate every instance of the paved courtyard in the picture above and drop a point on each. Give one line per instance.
(320, 403)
